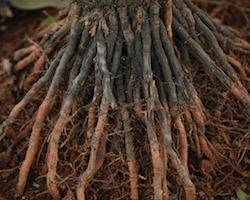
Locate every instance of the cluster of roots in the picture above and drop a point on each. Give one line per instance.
(116, 70)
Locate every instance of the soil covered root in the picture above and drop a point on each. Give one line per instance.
(132, 60)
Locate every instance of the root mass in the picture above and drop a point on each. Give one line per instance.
(116, 66)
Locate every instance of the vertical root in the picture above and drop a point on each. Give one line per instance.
(205, 148)
(183, 143)
(34, 141)
(165, 167)
(97, 155)
(44, 109)
(138, 102)
(52, 157)
(192, 129)
(133, 175)
(103, 67)
(150, 95)
(163, 99)
(132, 165)
(156, 159)
(190, 191)
(168, 18)
(161, 91)
(160, 53)
(91, 121)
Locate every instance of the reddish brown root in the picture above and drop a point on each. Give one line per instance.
(183, 144)
(97, 154)
(132, 165)
(91, 121)
(27, 60)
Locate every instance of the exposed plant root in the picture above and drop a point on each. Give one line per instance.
(97, 155)
(123, 57)
(132, 165)
(53, 147)
(27, 98)
(44, 109)
(205, 60)
(150, 95)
